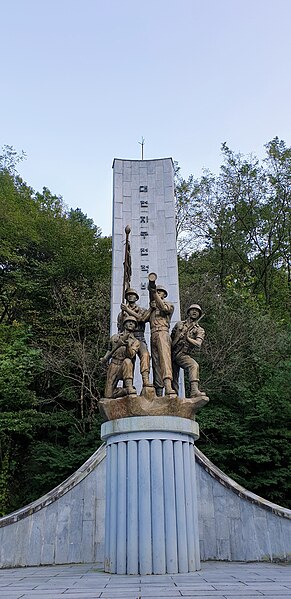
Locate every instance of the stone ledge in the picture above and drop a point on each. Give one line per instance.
(151, 405)
(150, 424)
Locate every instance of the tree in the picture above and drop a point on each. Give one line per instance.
(19, 365)
(54, 287)
(235, 262)
(242, 217)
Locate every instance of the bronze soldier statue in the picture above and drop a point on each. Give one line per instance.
(186, 335)
(159, 316)
(123, 349)
(140, 314)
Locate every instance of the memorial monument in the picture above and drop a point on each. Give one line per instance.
(150, 499)
(151, 523)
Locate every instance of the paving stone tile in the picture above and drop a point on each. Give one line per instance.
(82, 593)
(119, 585)
(40, 588)
(203, 586)
(162, 592)
(206, 595)
(33, 592)
(275, 593)
(255, 596)
(58, 582)
(238, 587)
(203, 594)
(156, 578)
(156, 585)
(79, 596)
(265, 585)
(124, 577)
(18, 586)
(5, 583)
(90, 584)
(240, 592)
(244, 596)
(84, 590)
(221, 578)
(122, 594)
(257, 580)
(123, 580)
(229, 586)
(58, 596)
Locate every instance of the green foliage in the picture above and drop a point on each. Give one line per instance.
(242, 218)
(19, 364)
(234, 237)
(235, 262)
(54, 318)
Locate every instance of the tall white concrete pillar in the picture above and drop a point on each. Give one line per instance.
(144, 199)
(151, 524)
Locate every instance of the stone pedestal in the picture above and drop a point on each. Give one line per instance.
(151, 524)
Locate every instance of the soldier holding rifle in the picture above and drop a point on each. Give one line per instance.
(122, 352)
(160, 315)
(186, 335)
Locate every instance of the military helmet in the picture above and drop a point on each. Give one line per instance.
(130, 291)
(162, 288)
(128, 317)
(197, 307)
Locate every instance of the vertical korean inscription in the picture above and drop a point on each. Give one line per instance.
(144, 236)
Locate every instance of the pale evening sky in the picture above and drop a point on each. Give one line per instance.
(83, 81)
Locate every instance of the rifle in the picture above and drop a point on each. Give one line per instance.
(186, 331)
(152, 277)
(111, 353)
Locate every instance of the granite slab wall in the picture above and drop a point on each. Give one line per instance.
(235, 524)
(67, 525)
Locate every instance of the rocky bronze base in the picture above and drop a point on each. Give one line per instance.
(148, 404)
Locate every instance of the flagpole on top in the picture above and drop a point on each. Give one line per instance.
(126, 264)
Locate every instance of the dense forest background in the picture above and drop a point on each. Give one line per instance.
(234, 239)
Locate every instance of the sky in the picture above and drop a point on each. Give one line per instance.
(83, 80)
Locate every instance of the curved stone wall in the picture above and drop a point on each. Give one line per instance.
(67, 525)
(235, 524)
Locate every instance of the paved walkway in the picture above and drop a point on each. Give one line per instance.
(216, 580)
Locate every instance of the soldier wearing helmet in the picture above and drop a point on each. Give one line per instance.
(159, 316)
(122, 351)
(131, 308)
(186, 335)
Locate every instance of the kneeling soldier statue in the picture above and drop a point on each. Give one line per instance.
(186, 335)
(140, 314)
(123, 349)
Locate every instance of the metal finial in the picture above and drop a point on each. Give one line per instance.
(141, 143)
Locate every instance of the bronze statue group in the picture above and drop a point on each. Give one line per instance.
(169, 351)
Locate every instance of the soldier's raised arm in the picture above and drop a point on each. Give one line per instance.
(145, 316)
(108, 354)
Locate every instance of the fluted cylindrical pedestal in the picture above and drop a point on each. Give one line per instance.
(151, 524)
